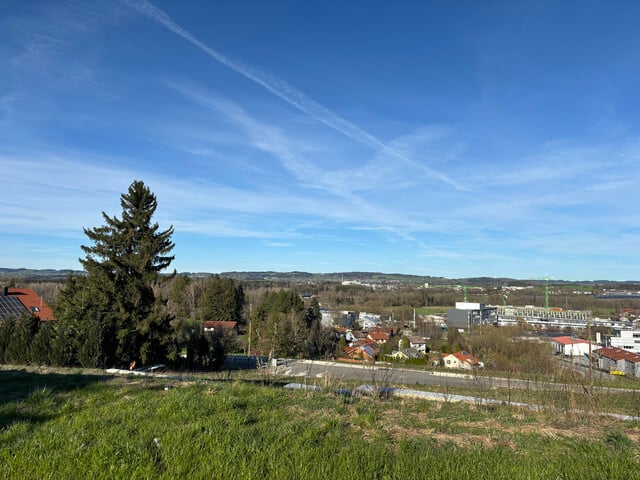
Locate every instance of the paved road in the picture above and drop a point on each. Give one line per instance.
(383, 375)
(379, 375)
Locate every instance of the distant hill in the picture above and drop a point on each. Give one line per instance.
(378, 277)
(26, 274)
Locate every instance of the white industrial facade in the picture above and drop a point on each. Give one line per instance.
(628, 340)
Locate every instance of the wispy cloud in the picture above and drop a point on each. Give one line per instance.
(62, 193)
(288, 93)
(53, 30)
(345, 184)
(279, 244)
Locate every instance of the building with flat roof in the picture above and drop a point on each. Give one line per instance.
(468, 314)
(628, 340)
(543, 317)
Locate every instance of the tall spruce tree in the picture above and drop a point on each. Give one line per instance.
(123, 264)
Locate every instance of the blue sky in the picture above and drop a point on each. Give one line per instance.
(452, 139)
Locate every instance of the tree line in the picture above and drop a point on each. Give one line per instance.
(126, 311)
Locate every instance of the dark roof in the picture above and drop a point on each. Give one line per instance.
(411, 353)
(11, 307)
(417, 340)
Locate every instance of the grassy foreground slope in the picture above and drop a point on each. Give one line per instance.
(59, 426)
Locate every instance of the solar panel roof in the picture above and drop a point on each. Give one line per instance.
(11, 307)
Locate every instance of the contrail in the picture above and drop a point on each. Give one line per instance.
(282, 89)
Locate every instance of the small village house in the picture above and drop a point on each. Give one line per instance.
(462, 360)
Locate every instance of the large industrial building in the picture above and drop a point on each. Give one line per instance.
(469, 314)
(543, 317)
(628, 340)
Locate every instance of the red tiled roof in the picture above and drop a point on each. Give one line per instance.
(379, 336)
(465, 357)
(214, 325)
(32, 302)
(568, 340)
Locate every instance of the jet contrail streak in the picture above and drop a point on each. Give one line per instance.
(283, 90)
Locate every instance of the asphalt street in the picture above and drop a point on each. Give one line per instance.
(382, 375)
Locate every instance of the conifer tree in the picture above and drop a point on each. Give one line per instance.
(63, 345)
(40, 348)
(123, 264)
(6, 332)
(222, 300)
(24, 330)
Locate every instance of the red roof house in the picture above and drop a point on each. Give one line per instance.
(379, 336)
(31, 301)
(217, 326)
(461, 359)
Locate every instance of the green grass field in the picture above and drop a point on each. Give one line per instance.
(61, 425)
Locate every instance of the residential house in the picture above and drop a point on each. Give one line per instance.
(418, 343)
(211, 327)
(406, 354)
(379, 336)
(462, 360)
(365, 353)
(16, 301)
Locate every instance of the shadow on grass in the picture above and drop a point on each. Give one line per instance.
(38, 391)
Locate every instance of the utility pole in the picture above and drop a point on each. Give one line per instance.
(590, 360)
(249, 341)
(546, 295)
